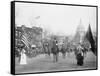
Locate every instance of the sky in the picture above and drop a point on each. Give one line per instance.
(57, 19)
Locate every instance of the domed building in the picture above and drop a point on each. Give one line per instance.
(80, 36)
(80, 32)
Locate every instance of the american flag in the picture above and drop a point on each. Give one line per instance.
(25, 39)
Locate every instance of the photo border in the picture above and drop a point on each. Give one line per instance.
(13, 35)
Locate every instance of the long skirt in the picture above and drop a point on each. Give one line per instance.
(80, 60)
(23, 59)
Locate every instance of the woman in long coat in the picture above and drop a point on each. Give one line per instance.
(79, 55)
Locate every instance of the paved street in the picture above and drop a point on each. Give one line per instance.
(43, 63)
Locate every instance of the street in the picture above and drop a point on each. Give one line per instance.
(44, 63)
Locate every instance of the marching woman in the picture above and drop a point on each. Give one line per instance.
(23, 57)
(79, 55)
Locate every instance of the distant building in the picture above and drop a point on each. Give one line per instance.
(30, 36)
(18, 34)
(80, 32)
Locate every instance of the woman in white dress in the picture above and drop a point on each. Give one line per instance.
(23, 57)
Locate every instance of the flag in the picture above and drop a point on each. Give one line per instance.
(89, 37)
(25, 40)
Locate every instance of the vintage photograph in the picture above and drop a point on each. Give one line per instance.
(54, 37)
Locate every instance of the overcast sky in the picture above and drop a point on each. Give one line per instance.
(58, 19)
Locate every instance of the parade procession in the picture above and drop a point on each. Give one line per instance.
(50, 38)
(34, 42)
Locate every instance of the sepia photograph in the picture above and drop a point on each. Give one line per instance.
(54, 37)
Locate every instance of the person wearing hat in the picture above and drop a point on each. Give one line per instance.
(79, 55)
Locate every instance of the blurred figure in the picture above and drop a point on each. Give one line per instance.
(63, 50)
(55, 50)
(23, 57)
(80, 55)
(46, 48)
